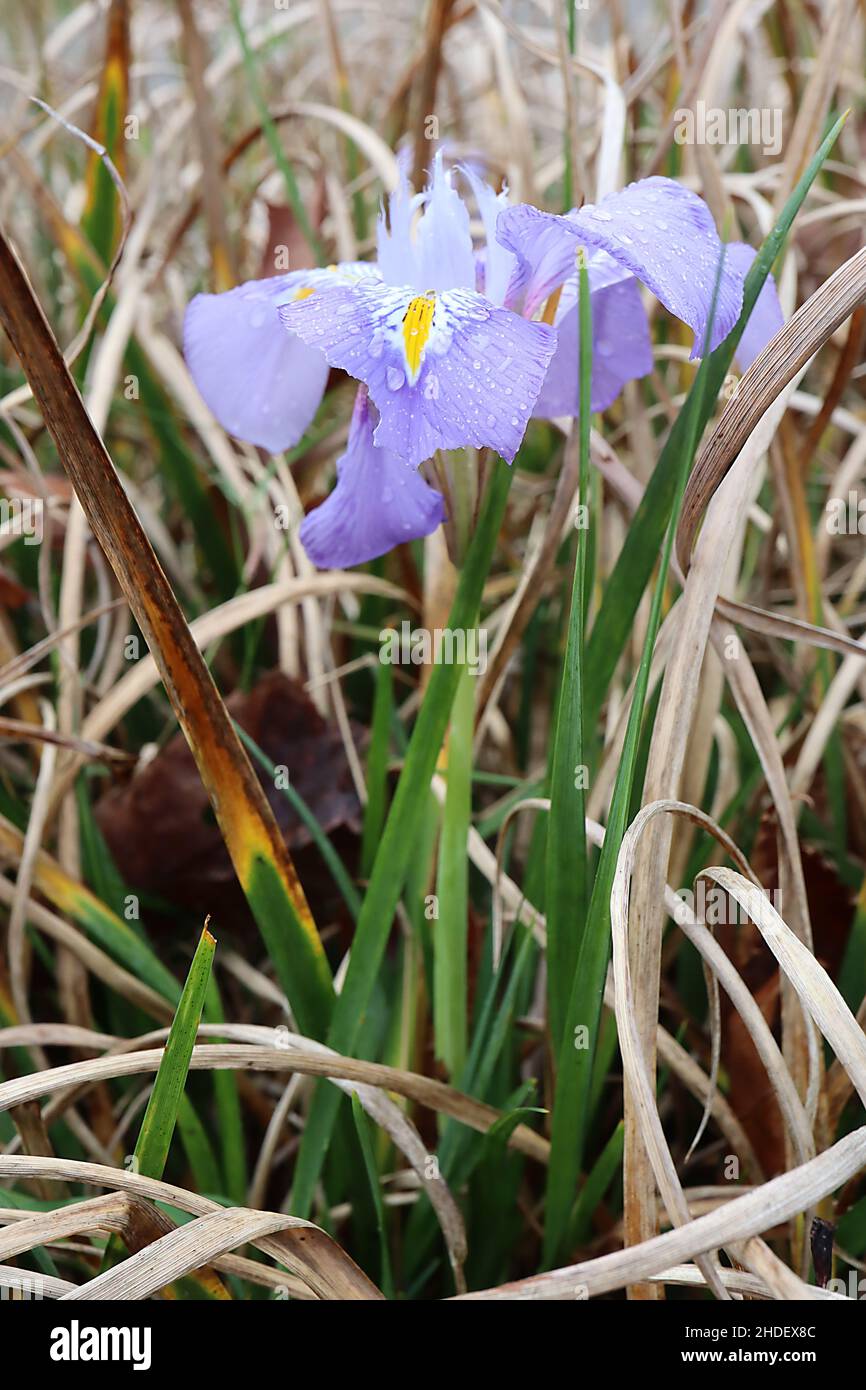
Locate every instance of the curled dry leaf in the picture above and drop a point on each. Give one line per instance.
(165, 840)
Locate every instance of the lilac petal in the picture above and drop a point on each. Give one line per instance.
(766, 318)
(545, 254)
(501, 269)
(440, 255)
(396, 254)
(621, 348)
(661, 232)
(476, 373)
(445, 257)
(262, 386)
(378, 502)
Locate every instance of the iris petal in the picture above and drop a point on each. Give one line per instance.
(658, 230)
(766, 318)
(478, 373)
(445, 257)
(621, 348)
(396, 254)
(261, 386)
(503, 274)
(378, 502)
(545, 253)
(439, 256)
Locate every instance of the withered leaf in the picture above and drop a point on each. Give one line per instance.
(161, 831)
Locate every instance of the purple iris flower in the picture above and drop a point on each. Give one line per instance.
(443, 336)
(446, 365)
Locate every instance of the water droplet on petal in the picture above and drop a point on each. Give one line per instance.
(395, 378)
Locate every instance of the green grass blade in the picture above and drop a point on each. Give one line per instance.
(377, 766)
(163, 1107)
(228, 1103)
(605, 1167)
(198, 1148)
(362, 1125)
(160, 1117)
(566, 868)
(452, 887)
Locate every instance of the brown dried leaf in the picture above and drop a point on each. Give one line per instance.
(164, 838)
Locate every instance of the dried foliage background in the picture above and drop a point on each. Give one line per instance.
(720, 1122)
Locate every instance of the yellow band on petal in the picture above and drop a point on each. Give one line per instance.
(416, 332)
(305, 292)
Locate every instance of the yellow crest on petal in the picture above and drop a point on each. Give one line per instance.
(417, 323)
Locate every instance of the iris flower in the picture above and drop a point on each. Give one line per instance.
(444, 337)
(446, 364)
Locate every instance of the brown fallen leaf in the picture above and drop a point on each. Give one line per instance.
(163, 835)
